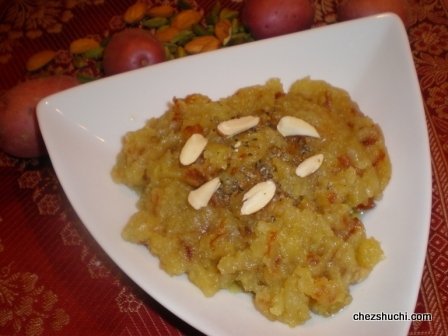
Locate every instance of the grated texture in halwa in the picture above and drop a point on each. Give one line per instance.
(302, 251)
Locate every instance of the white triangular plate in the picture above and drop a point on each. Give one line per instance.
(370, 58)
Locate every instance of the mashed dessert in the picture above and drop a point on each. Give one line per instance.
(262, 192)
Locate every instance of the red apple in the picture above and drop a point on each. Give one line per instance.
(268, 18)
(131, 49)
(19, 131)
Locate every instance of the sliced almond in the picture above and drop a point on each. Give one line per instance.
(310, 165)
(238, 125)
(201, 44)
(200, 197)
(135, 12)
(258, 197)
(192, 149)
(288, 126)
(40, 59)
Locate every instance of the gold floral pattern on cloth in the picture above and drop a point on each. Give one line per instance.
(70, 237)
(428, 37)
(438, 100)
(430, 47)
(127, 302)
(27, 307)
(46, 191)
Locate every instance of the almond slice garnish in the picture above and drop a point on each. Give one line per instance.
(258, 197)
(192, 149)
(310, 165)
(200, 197)
(288, 126)
(238, 125)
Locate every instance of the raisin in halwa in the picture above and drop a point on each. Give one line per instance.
(298, 253)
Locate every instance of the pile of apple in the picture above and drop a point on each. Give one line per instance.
(268, 18)
(134, 48)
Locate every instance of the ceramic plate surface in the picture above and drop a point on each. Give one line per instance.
(370, 58)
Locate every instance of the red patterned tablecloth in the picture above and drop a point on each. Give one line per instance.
(56, 280)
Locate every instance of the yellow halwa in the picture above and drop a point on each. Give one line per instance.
(302, 251)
